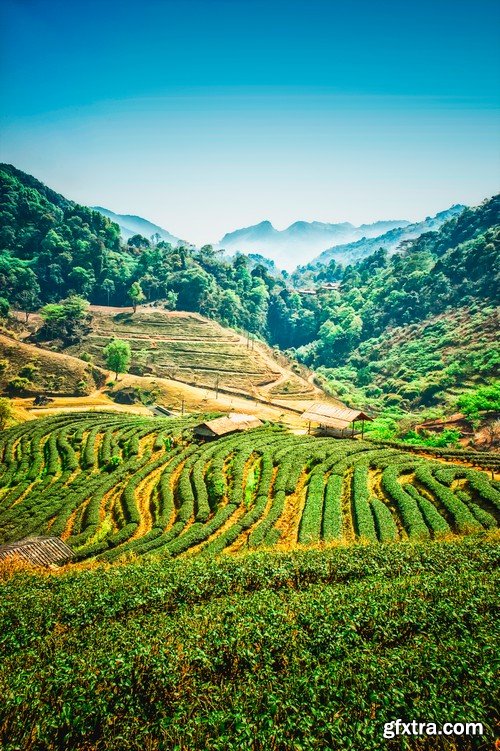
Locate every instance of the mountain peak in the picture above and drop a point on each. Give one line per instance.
(298, 243)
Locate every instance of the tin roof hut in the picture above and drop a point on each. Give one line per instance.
(40, 551)
(335, 420)
(232, 423)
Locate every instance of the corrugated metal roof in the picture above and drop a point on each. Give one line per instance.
(335, 417)
(42, 551)
(229, 424)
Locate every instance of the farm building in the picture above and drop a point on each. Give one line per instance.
(335, 420)
(330, 286)
(40, 551)
(232, 423)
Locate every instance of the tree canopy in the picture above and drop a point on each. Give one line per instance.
(118, 356)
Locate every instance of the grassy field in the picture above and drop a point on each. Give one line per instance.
(303, 651)
(114, 484)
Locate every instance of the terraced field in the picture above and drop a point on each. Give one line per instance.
(189, 348)
(110, 484)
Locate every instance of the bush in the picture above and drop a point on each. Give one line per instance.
(18, 385)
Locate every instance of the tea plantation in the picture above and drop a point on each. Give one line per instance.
(367, 591)
(310, 650)
(112, 484)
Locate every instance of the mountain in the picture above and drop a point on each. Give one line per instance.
(135, 225)
(355, 251)
(301, 240)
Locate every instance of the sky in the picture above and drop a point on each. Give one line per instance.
(208, 115)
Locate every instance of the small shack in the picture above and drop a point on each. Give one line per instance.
(40, 551)
(234, 422)
(330, 286)
(336, 421)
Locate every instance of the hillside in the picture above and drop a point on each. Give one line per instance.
(422, 364)
(54, 249)
(443, 285)
(353, 252)
(26, 369)
(298, 243)
(189, 348)
(130, 225)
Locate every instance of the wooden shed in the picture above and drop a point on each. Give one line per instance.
(40, 551)
(232, 423)
(337, 421)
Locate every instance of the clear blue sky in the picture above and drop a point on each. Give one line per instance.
(207, 116)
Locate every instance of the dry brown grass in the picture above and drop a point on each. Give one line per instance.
(56, 373)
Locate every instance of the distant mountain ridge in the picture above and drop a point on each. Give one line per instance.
(135, 225)
(355, 251)
(301, 240)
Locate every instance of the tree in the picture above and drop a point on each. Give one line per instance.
(65, 320)
(5, 412)
(118, 356)
(4, 307)
(136, 295)
(108, 286)
(26, 292)
(82, 279)
(138, 241)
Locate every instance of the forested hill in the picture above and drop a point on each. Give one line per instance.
(50, 246)
(435, 298)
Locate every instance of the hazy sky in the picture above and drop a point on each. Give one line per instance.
(208, 115)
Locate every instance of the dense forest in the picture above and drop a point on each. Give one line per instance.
(52, 248)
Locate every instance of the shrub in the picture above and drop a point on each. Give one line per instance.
(18, 385)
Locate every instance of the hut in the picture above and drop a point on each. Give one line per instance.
(330, 286)
(234, 422)
(40, 551)
(335, 420)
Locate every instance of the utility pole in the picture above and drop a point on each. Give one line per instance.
(182, 407)
(217, 387)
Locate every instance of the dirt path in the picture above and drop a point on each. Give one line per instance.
(289, 521)
(143, 497)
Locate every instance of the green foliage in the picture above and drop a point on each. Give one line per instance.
(483, 399)
(118, 356)
(447, 437)
(4, 307)
(136, 294)
(5, 412)
(64, 320)
(18, 385)
(291, 650)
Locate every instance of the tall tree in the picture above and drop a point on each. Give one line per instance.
(136, 295)
(118, 356)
